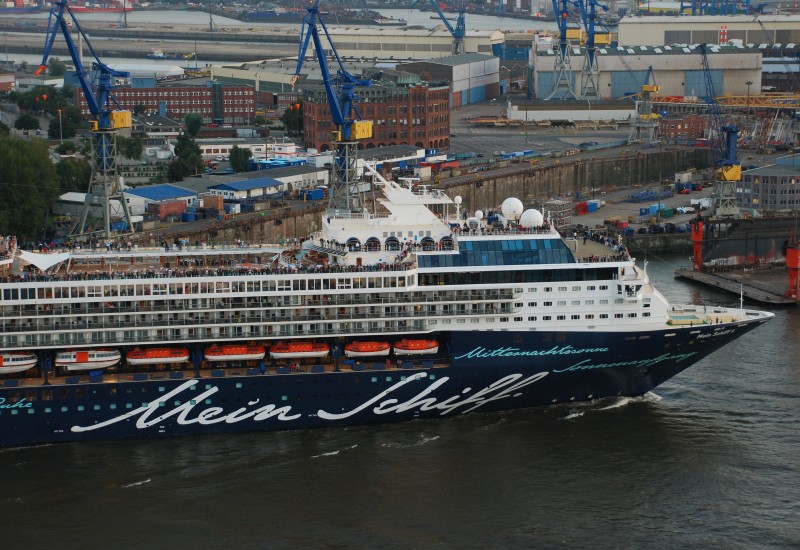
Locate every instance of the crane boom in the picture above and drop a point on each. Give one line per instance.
(96, 101)
(459, 31)
(342, 99)
(107, 117)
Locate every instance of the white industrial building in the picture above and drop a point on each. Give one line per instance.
(473, 77)
(678, 70)
(637, 30)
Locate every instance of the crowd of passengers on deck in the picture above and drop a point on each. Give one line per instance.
(7, 246)
(35, 276)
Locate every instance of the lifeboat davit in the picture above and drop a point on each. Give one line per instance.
(299, 350)
(14, 361)
(416, 347)
(87, 359)
(367, 349)
(235, 352)
(157, 356)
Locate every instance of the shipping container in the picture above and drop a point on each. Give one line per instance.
(188, 217)
(213, 201)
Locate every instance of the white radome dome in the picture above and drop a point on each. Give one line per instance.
(479, 214)
(531, 218)
(512, 208)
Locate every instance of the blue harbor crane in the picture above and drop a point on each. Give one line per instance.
(729, 170)
(459, 31)
(644, 128)
(590, 88)
(563, 85)
(106, 117)
(342, 99)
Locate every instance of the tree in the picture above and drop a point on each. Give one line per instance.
(26, 122)
(23, 66)
(29, 185)
(73, 174)
(130, 148)
(66, 147)
(56, 67)
(178, 169)
(292, 119)
(259, 120)
(5, 131)
(193, 122)
(63, 126)
(188, 160)
(240, 159)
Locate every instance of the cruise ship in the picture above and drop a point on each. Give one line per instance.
(406, 309)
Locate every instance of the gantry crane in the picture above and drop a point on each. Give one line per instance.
(106, 118)
(459, 31)
(563, 84)
(644, 128)
(590, 88)
(342, 99)
(723, 143)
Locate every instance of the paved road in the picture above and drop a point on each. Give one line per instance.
(466, 137)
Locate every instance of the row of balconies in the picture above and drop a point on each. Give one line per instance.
(279, 317)
(106, 306)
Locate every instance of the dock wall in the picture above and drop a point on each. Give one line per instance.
(483, 190)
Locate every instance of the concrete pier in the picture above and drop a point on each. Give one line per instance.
(766, 286)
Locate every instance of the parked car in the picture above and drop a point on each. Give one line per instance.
(684, 191)
(685, 210)
(642, 230)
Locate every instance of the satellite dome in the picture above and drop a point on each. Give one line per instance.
(479, 214)
(512, 208)
(531, 218)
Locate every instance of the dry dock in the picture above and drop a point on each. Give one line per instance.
(764, 285)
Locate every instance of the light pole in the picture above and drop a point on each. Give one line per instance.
(748, 83)
(60, 128)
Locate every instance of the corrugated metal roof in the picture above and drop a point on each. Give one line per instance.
(163, 192)
(247, 185)
(452, 60)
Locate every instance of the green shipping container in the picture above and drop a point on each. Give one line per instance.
(667, 213)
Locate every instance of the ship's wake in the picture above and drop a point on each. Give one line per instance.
(334, 453)
(137, 483)
(422, 441)
(608, 404)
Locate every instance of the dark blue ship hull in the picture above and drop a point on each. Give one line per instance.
(487, 371)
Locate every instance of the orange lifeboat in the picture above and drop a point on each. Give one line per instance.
(298, 350)
(88, 359)
(157, 356)
(367, 349)
(416, 347)
(235, 352)
(15, 361)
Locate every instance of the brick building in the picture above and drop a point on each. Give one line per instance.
(414, 115)
(683, 126)
(215, 102)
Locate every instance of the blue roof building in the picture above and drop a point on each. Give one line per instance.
(161, 193)
(138, 198)
(249, 188)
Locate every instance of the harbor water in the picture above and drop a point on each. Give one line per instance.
(710, 460)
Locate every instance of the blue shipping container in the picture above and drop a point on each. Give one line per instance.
(188, 217)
